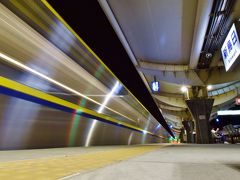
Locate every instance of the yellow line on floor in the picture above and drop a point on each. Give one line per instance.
(59, 167)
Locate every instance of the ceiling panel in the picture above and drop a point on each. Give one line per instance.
(157, 30)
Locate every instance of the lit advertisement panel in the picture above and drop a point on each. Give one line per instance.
(231, 48)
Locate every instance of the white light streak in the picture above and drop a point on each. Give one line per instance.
(108, 98)
(130, 138)
(13, 61)
(101, 108)
(26, 68)
(144, 132)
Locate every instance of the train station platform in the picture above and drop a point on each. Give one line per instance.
(152, 161)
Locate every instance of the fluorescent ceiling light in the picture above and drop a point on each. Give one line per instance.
(229, 112)
(209, 87)
(184, 89)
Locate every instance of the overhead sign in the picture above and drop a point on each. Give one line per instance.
(230, 48)
(155, 86)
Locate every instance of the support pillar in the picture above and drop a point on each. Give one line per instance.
(200, 109)
(189, 127)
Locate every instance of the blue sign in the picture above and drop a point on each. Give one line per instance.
(230, 48)
(155, 86)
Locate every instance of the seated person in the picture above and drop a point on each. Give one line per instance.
(216, 134)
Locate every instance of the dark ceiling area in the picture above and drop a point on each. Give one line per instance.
(216, 32)
(89, 21)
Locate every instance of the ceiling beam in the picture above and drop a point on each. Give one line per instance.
(219, 75)
(180, 114)
(169, 94)
(201, 23)
(172, 101)
(162, 67)
(223, 106)
(180, 74)
(222, 98)
(177, 74)
(226, 105)
(233, 86)
(171, 108)
(180, 102)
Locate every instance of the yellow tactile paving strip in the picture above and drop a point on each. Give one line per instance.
(59, 167)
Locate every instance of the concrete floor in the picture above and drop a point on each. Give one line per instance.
(177, 162)
(164, 162)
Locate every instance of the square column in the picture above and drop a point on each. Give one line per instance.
(200, 109)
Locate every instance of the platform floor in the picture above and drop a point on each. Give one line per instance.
(155, 161)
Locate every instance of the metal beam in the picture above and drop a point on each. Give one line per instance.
(201, 24)
(176, 95)
(188, 77)
(171, 108)
(162, 67)
(220, 99)
(233, 86)
(175, 102)
(180, 102)
(182, 114)
(178, 74)
(219, 75)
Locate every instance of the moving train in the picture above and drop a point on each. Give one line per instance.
(56, 92)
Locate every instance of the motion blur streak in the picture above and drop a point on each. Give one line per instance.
(22, 66)
(157, 128)
(130, 138)
(22, 119)
(72, 134)
(24, 113)
(94, 123)
(144, 136)
(54, 87)
(74, 124)
(107, 98)
(11, 60)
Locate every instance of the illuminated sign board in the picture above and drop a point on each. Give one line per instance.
(155, 86)
(230, 48)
